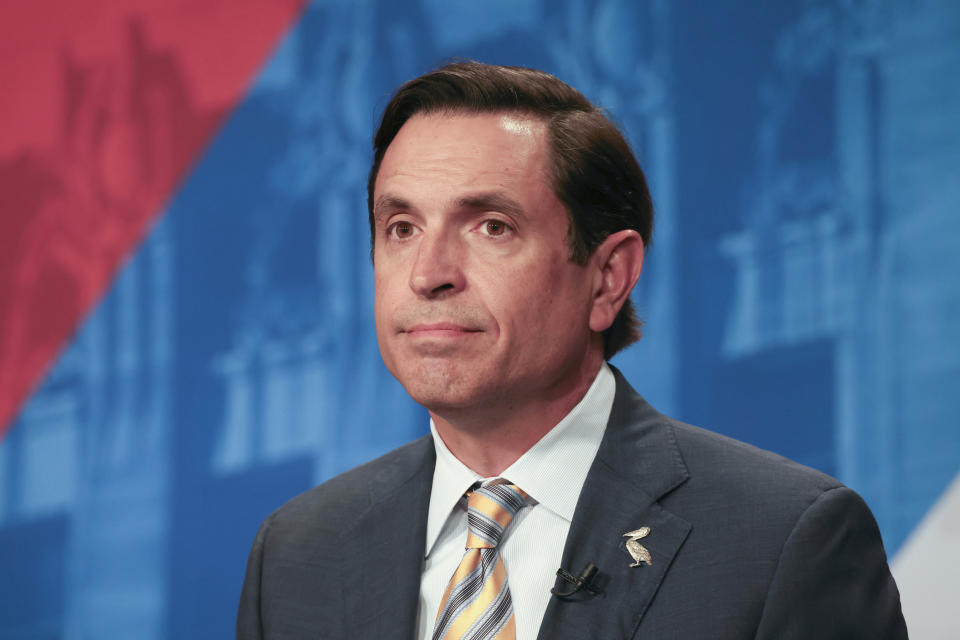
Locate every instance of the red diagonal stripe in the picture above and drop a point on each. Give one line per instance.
(105, 106)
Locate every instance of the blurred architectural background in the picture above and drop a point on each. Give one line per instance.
(802, 293)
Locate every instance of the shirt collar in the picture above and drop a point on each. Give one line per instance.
(551, 472)
(451, 479)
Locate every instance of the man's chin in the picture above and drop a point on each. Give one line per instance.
(443, 392)
(442, 400)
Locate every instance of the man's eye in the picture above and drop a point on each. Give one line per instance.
(401, 230)
(495, 227)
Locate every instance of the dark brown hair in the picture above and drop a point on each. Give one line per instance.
(595, 174)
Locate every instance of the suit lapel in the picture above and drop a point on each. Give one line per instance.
(384, 551)
(638, 462)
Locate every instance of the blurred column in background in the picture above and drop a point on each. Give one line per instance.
(846, 243)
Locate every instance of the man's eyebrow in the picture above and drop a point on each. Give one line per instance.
(485, 201)
(387, 203)
(492, 201)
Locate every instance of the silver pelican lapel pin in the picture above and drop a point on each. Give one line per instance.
(637, 551)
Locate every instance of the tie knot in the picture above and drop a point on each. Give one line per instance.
(490, 509)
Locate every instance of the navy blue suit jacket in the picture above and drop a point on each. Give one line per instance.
(745, 544)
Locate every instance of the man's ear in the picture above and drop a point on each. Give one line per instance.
(617, 264)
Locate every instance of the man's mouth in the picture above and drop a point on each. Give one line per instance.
(439, 330)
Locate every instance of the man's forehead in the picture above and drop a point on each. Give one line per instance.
(521, 124)
(497, 144)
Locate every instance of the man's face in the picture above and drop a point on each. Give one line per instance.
(477, 304)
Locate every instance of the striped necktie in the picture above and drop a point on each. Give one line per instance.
(477, 603)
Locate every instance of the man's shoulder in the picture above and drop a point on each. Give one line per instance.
(730, 483)
(333, 506)
(726, 462)
(705, 460)
(764, 536)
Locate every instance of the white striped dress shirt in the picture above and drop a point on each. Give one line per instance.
(552, 472)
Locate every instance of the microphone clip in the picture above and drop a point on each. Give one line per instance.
(579, 582)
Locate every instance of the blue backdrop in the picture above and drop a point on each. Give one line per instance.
(801, 294)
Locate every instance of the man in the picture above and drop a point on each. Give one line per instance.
(509, 220)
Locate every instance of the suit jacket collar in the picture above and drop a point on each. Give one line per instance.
(637, 464)
(383, 550)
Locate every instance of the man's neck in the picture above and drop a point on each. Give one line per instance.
(489, 439)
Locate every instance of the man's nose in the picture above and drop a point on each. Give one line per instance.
(437, 270)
